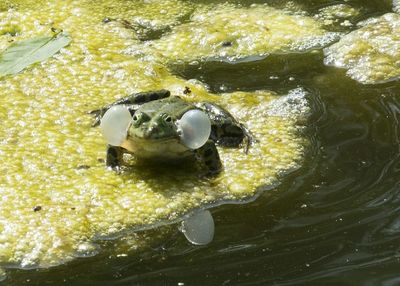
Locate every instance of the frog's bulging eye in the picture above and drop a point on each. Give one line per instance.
(195, 128)
(139, 117)
(114, 124)
(166, 118)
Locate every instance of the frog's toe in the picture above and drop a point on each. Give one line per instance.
(97, 115)
(116, 169)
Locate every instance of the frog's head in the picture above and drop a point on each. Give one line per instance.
(161, 126)
(173, 121)
(155, 128)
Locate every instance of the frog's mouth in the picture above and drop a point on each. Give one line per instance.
(153, 148)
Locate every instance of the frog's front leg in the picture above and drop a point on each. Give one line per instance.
(114, 157)
(208, 157)
(131, 101)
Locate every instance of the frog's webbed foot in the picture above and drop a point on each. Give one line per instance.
(208, 157)
(97, 114)
(114, 157)
(248, 138)
(132, 102)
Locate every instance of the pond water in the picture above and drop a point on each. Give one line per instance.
(333, 220)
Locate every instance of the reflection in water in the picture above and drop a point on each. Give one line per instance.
(199, 228)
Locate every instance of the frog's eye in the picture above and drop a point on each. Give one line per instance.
(195, 127)
(139, 117)
(166, 118)
(114, 124)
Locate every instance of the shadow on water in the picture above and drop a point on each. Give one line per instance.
(275, 70)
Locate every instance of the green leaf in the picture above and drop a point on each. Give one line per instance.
(22, 54)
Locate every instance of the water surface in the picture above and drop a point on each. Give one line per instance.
(335, 221)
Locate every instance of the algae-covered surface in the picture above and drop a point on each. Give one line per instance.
(371, 53)
(57, 197)
(396, 6)
(226, 32)
(338, 16)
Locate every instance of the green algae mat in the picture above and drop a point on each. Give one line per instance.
(57, 197)
(371, 54)
(230, 33)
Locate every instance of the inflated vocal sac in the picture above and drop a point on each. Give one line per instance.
(195, 127)
(115, 123)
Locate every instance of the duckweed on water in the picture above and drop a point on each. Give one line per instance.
(370, 54)
(396, 6)
(336, 16)
(56, 195)
(228, 32)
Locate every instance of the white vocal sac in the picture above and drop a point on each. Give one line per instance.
(195, 127)
(115, 123)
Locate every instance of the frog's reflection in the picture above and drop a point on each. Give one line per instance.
(198, 228)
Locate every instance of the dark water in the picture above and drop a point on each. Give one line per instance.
(335, 221)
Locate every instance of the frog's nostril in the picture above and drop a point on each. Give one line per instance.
(151, 130)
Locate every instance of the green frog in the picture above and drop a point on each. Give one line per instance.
(157, 128)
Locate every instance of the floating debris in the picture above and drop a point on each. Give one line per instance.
(20, 55)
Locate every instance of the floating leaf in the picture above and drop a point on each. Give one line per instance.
(22, 54)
